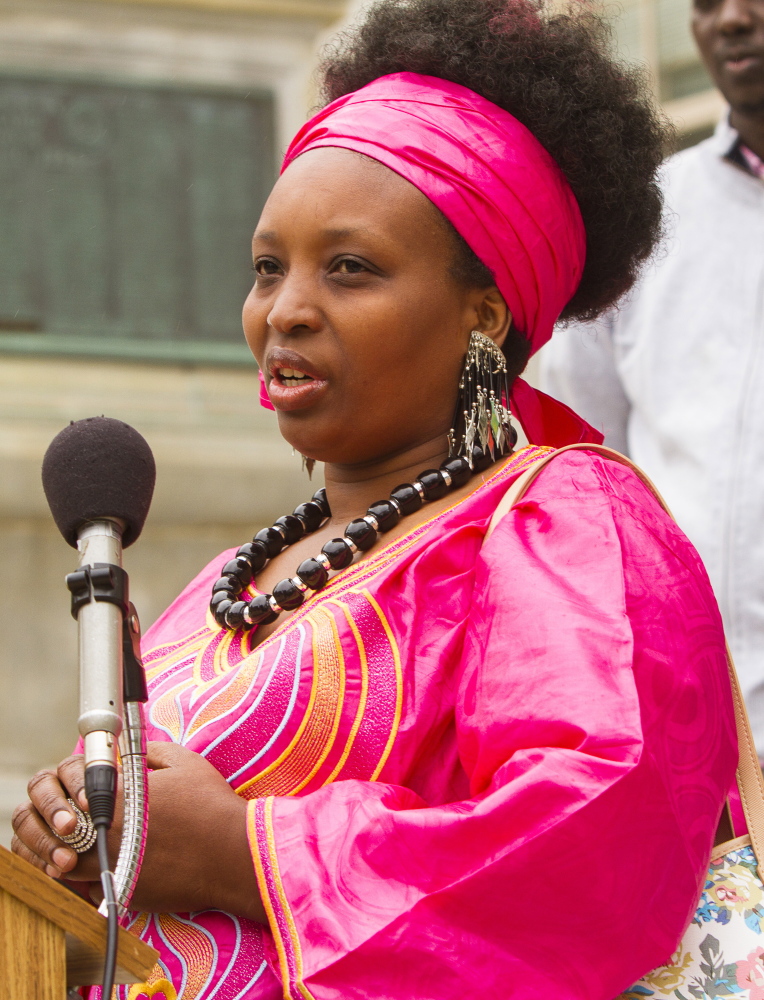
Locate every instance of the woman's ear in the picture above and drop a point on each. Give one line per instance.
(492, 314)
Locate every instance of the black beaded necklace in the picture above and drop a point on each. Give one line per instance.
(481, 432)
(313, 574)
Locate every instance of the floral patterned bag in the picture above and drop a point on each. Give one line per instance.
(722, 951)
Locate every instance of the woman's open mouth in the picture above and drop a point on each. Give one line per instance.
(291, 387)
(291, 377)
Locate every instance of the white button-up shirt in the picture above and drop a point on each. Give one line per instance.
(675, 379)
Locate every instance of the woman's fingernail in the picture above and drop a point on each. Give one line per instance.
(53, 872)
(62, 821)
(83, 800)
(61, 857)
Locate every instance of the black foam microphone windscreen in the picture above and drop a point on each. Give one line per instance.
(95, 468)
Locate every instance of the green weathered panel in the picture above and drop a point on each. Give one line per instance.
(126, 213)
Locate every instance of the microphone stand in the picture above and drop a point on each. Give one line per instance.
(112, 693)
(94, 465)
(132, 750)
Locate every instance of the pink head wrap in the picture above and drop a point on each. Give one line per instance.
(498, 187)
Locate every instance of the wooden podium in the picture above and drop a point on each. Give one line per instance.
(50, 939)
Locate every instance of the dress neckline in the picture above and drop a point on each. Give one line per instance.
(515, 462)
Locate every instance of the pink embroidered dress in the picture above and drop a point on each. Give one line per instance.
(472, 770)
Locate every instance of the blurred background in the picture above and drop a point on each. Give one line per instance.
(138, 141)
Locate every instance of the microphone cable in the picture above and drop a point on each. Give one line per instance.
(112, 913)
(101, 792)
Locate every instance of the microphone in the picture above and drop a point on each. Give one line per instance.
(99, 467)
(98, 475)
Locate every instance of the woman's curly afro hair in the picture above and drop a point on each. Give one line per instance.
(554, 72)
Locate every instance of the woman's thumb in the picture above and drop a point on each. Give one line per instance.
(161, 755)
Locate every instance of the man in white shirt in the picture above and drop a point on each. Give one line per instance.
(675, 376)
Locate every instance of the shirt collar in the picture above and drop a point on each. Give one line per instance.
(726, 143)
(753, 162)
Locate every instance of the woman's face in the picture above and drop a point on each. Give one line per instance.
(353, 317)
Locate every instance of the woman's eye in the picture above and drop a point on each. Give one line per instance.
(348, 265)
(264, 267)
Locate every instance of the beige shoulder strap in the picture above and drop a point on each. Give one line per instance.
(749, 776)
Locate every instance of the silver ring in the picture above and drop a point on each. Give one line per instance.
(84, 835)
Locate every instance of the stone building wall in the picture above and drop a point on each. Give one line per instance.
(223, 470)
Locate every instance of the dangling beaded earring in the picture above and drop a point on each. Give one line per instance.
(308, 464)
(482, 429)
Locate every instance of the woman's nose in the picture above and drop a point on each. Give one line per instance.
(295, 309)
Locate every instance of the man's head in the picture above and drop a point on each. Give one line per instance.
(730, 36)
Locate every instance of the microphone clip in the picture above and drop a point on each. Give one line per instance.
(99, 582)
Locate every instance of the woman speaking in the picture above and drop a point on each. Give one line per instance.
(396, 755)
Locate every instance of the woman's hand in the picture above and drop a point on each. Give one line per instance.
(197, 853)
(33, 839)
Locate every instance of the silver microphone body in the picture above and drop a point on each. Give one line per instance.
(100, 649)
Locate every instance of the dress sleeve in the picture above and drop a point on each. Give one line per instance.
(578, 367)
(594, 722)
